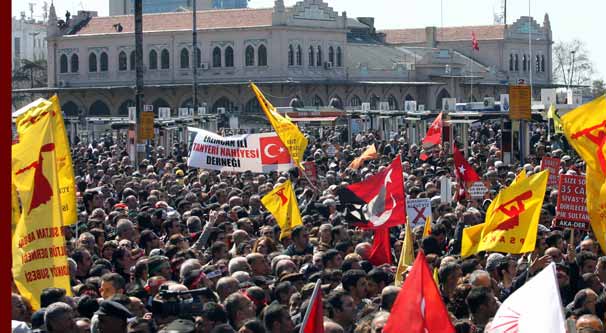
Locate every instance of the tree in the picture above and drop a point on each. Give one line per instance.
(563, 69)
(598, 88)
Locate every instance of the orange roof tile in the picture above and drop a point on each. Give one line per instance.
(208, 19)
(409, 36)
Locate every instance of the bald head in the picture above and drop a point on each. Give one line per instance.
(363, 250)
(589, 323)
(332, 327)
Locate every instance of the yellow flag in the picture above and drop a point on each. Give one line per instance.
(436, 277)
(407, 256)
(282, 204)
(15, 208)
(557, 122)
(38, 244)
(521, 176)
(65, 169)
(427, 227)
(471, 240)
(289, 133)
(369, 154)
(512, 219)
(585, 129)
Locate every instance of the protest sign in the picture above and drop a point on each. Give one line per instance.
(478, 190)
(446, 190)
(258, 153)
(571, 209)
(418, 210)
(311, 171)
(553, 165)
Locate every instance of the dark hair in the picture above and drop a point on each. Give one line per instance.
(584, 256)
(214, 312)
(296, 231)
(281, 288)
(255, 326)
(273, 313)
(477, 297)
(78, 254)
(335, 301)
(329, 255)
(553, 239)
(446, 271)
(351, 277)
(378, 276)
(469, 265)
(50, 296)
(87, 306)
(115, 279)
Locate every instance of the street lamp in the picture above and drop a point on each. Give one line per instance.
(572, 67)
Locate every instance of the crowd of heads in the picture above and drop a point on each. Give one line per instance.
(161, 247)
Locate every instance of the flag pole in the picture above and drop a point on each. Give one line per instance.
(310, 305)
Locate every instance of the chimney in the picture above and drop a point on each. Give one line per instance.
(368, 21)
(430, 36)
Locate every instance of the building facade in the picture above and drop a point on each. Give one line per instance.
(307, 55)
(28, 40)
(127, 7)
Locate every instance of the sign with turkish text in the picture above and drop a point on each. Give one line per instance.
(553, 165)
(259, 153)
(519, 98)
(310, 171)
(478, 190)
(418, 210)
(571, 210)
(146, 126)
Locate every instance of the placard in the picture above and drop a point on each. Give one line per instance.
(519, 97)
(146, 126)
(478, 190)
(418, 210)
(571, 211)
(553, 165)
(310, 171)
(446, 190)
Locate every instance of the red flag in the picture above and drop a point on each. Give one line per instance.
(313, 322)
(434, 133)
(381, 248)
(463, 169)
(383, 196)
(474, 42)
(419, 307)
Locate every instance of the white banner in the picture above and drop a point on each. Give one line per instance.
(259, 153)
(418, 210)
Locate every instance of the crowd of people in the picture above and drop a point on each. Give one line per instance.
(160, 247)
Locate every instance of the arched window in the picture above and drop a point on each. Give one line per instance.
(355, 101)
(75, 63)
(198, 57)
(296, 102)
(92, 62)
(339, 57)
(99, 108)
(517, 63)
(537, 67)
(63, 64)
(317, 102)
(319, 57)
(299, 56)
(122, 61)
(252, 106)
(70, 109)
(524, 63)
(225, 103)
(249, 56)
(511, 62)
(374, 102)
(312, 59)
(262, 55)
(393, 102)
(133, 62)
(164, 59)
(331, 55)
(184, 58)
(291, 56)
(123, 109)
(103, 62)
(229, 57)
(543, 63)
(153, 59)
(217, 57)
(336, 102)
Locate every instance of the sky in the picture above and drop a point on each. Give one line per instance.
(580, 19)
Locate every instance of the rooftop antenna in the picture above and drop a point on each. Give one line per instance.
(31, 10)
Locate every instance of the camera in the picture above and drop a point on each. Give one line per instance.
(171, 303)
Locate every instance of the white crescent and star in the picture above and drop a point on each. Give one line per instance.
(266, 150)
(462, 169)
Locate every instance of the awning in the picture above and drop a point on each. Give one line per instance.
(312, 119)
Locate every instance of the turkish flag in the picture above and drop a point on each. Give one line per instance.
(419, 307)
(273, 151)
(474, 42)
(463, 169)
(434, 133)
(313, 322)
(380, 253)
(379, 201)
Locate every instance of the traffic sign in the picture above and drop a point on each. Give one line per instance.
(519, 98)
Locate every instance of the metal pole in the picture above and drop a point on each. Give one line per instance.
(139, 70)
(571, 69)
(195, 61)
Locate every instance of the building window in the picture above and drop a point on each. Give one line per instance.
(92, 62)
(331, 55)
(63, 64)
(374, 102)
(319, 57)
(317, 102)
(262, 55)
(250, 56)
(122, 65)
(165, 59)
(132, 61)
(153, 59)
(543, 63)
(75, 63)
(524, 63)
(184, 58)
(18, 49)
(229, 57)
(311, 56)
(517, 64)
(217, 57)
(198, 57)
(511, 62)
(339, 57)
(291, 56)
(393, 102)
(355, 101)
(537, 64)
(299, 56)
(103, 62)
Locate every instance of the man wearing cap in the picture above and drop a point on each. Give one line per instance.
(112, 317)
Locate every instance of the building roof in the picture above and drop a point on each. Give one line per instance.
(207, 19)
(410, 36)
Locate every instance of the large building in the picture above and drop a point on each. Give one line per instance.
(127, 7)
(307, 55)
(29, 40)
